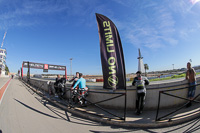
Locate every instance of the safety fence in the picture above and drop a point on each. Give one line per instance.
(96, 104)
(123, 93)
(167, 116)
(41, 87)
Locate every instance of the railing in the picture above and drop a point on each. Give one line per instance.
(98, 106)
(165, 117)
(124, 93)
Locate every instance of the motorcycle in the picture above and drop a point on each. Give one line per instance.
(78, 96)
(51, 90)
(56, 89)
(60, 89)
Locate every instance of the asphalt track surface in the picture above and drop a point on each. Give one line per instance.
(23, 111)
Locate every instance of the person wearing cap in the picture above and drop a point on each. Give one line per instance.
(140, 82)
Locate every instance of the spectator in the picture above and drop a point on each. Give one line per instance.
(58, 80)
(140, 82)
(74, 79)
(191, 77)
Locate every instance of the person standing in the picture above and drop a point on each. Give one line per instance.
(191, 77)
(63, 79)
(73, 91)
(74, 79)
(140, 82)
(58, 80)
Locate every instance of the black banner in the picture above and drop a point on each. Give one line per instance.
(33, 65)
(56, 67)
(112, 57)
(43, 66)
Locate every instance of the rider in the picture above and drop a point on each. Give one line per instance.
(82, 85)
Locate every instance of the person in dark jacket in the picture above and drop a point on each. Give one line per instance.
(74, 79)
(58, 80)
(140, 82)
(63, 79)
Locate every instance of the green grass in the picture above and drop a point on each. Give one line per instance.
(172, 77)
(159, 79)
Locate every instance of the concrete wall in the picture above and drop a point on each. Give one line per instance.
(151, 97)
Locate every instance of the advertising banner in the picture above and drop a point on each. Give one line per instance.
(43, 66)
(56, 67)
(33, 65)
(112, 57)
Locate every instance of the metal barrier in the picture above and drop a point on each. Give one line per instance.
(124, 93)
(96, 103)
(164, 92)
(39, 88)
(98, 106)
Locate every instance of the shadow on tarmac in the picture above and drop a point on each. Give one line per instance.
(36, 110)
(53, 108)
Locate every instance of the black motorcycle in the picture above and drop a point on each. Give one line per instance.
(60, 90)
(79, 95)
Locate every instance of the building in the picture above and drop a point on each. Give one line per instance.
(3, 54)
(140, 62)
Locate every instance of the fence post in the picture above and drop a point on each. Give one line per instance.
(158, 105)
(125, 106)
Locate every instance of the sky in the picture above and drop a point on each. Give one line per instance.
(53, 31)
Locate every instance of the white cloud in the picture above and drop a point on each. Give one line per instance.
(152, 30)
(157, 25)
(27, 13)
(20, 13)
(183, 34)
(154, 46)
(198, 25)
(194, 1)
(126, 3)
